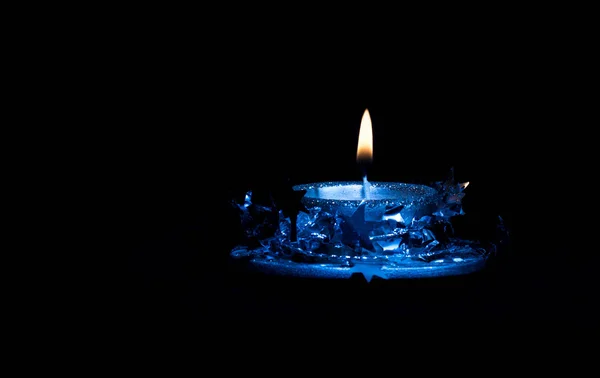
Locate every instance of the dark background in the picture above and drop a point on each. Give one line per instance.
(188, 132)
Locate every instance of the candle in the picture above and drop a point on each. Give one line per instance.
(335, 229)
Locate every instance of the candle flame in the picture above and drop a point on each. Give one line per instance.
(364, 152)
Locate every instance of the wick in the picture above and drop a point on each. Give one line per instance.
(366, 188)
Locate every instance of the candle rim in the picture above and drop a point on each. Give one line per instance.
(410, 192)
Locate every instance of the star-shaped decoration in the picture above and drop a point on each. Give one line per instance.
(357, 228)
(451, 192)
(369, 271)
(289, 201)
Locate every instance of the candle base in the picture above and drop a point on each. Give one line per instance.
(402, 231)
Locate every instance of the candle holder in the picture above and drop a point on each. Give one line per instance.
(391, 230)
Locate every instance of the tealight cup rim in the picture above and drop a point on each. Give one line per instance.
(407, 193)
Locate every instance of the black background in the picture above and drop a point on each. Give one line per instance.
(189, 127)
